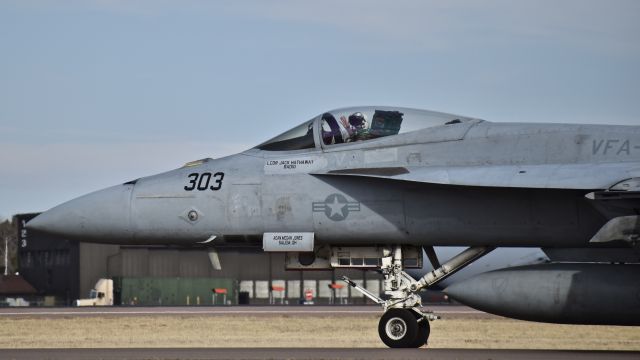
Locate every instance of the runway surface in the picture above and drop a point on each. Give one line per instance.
(313, 353)
(199, 315)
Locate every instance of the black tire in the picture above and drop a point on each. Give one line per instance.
(398, 328)
(424, 329)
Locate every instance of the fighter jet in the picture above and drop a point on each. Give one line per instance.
(371, 187)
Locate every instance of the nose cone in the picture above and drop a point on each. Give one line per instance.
(102, 216)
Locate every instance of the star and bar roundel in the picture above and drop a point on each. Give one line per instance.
(336, 207)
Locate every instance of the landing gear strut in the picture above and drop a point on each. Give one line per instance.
(404, 324)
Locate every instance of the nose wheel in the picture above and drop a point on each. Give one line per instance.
(402, 328)
(404, 325)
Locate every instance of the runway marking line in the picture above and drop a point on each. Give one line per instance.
(217, 312)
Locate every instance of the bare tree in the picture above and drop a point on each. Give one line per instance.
(8, 246)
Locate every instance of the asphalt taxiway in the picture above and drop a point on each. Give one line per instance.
(311, 353)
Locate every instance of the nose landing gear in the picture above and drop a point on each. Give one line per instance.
(403, 324)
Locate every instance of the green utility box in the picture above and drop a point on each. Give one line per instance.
(172, 291)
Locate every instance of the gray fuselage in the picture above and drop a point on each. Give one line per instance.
(469, 183)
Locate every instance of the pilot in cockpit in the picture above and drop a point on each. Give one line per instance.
(356, 126)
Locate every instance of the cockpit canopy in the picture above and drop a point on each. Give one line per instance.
(350, 125)
(300, 137)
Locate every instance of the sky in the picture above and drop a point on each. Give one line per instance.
(95, 93)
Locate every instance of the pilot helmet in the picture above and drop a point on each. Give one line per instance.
(358, 120)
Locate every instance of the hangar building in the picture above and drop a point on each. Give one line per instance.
(162, 275)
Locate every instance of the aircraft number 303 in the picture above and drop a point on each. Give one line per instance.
(204, 181)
